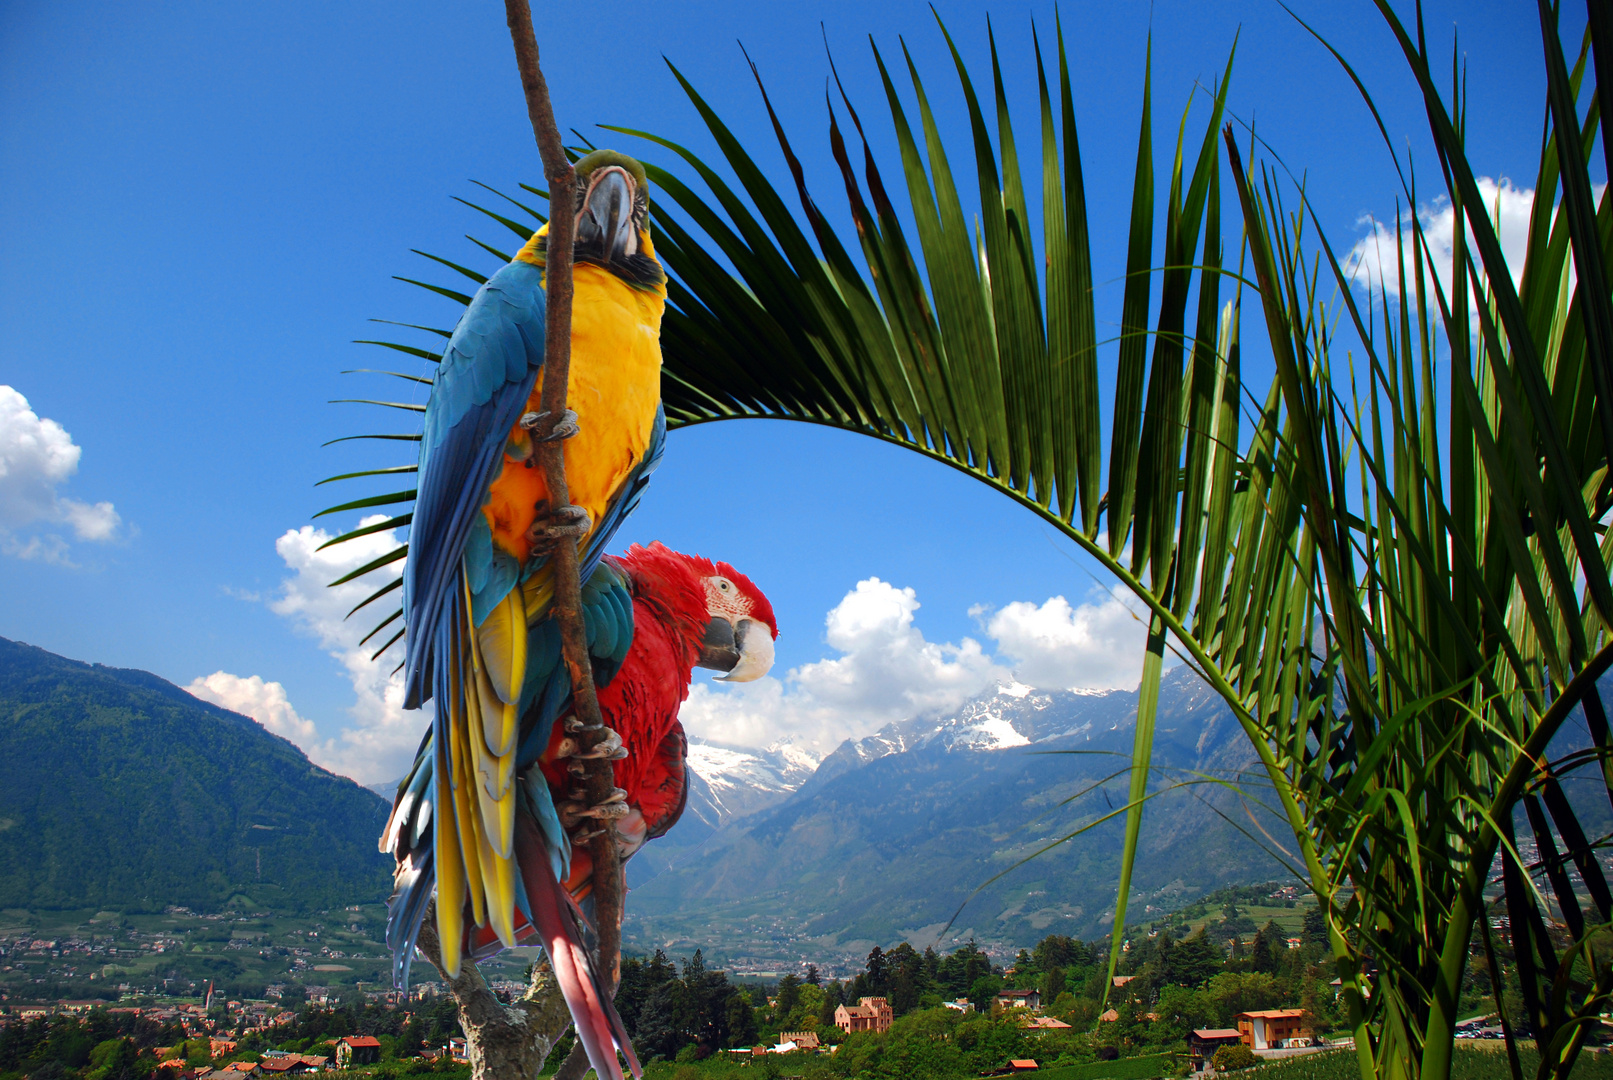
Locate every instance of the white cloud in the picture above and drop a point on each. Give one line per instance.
(50, 549)
(1373, 257)
(36, 456)
(376, 741)
(1095, 646)
(264, 702)
(887, 672)
(379, 741)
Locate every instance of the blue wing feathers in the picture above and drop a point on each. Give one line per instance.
(482, 384)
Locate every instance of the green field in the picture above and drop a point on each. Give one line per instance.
(177, 953)
(1470, 1063)
(1147, 1067)
(1289, 918)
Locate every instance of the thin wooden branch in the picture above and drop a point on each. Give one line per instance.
(607, 874)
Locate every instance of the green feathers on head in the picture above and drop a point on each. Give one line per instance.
(602, 158)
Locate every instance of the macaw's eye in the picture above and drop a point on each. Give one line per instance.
(724, 585)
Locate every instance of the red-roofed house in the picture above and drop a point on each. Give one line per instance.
(1204, 1042)
(1273, 1028)
(1046, 1023)
(1020, 1065)
(357, 1050)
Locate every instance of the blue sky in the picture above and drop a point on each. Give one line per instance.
(205, 203)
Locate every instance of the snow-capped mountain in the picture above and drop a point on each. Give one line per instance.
(725, 783)
(1011, 715)
(741, 779)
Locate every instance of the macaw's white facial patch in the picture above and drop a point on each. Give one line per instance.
(725, 599)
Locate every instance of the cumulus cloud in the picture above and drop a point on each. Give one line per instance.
(1057, 646)
(264, 702)
(887, 671)
(1373, 258)
(376, 740)
(37, 455)
(379, 739)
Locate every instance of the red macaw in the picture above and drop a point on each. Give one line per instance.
(652, 616)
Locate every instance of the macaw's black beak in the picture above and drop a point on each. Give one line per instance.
(718, 649)
(605, 223)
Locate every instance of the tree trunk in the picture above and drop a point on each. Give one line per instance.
(503, 1042)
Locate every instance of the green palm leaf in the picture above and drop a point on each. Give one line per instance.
(1400, 624)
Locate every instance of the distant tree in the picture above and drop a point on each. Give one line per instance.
(908, 979)
(1314, 926)
(984, 990)
(117, 1059)
(1234, 992)
(877, 973)
(631, 989)
(1264, 951)
(1181, 1010)
(812, 975)
(833, 997)
(1058, 951)
(1157, 957)
(706, 994)
(1023, 963)
(741, 1021)
(657, 1032)
(1195, 961)
(1052, 984)
(789, 995)
(962, 968)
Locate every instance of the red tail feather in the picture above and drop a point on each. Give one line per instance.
(561, 926)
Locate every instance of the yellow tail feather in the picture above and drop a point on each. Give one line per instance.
(537, 593)
(502, 641)
(498, 883)
(450, 867)
(465, 815)
(489, 774)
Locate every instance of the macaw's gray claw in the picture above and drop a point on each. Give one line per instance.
(550, 527)
(566, 428)
(572, 812)
(608, 747)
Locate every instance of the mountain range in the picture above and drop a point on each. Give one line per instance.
(894, 835)
(120, 790)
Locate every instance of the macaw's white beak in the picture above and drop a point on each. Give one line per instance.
(755, 642)
(744, 651)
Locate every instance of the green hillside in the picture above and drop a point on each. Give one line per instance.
(119, 790)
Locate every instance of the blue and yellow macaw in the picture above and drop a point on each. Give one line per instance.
(478, 586)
